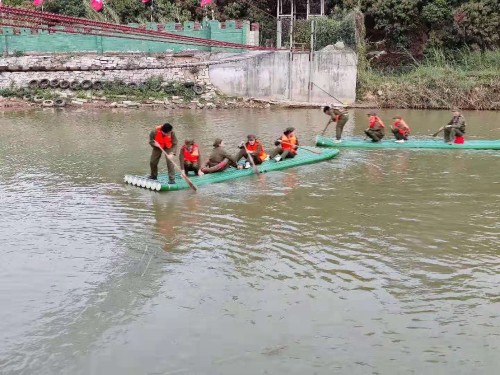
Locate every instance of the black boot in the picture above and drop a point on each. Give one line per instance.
(171, 181)
(152, 177)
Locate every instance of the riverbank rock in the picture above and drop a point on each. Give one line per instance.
(130, 104)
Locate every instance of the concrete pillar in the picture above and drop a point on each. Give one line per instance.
(278, 33)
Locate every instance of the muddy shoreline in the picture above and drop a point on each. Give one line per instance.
(17, 104)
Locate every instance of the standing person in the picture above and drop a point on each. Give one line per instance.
(255, 149)
(340, 116)
(190, 158)
(400, 129)
(219, 159)
(164, 137)
(286, 145)
(376, 127)
(455, 130)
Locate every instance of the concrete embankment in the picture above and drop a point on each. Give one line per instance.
(278, 77)
(329, 77)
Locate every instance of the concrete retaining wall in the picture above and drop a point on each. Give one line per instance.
(19, 71)
(282, 76)
(264, 75)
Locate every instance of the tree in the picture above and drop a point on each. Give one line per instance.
(478, 24)
(73, 8)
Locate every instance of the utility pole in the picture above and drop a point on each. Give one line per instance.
(278, 23)
(292, 9)
(311, 62)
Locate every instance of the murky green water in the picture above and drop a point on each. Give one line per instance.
(377, 262)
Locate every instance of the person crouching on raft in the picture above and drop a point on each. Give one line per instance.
(455, 130)
(164, 137)
(340, 116)
(286, 145)
(219, 159)
(255, 149)
(190, 158)
(400, 129)
(376, 127)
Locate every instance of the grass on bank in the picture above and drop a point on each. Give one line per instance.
(463, 79)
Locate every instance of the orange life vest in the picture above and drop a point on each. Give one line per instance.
(254, 147)
(288, 143)
(165, 141)
(191, 156)
(402, 127)
(375, 120)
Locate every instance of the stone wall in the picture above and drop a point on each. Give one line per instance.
(19, 71)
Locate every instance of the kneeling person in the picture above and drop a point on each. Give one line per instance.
(400, 129)
(219, 159)
(190, 158)
(376, 127)
(254, 148)
(286, 145)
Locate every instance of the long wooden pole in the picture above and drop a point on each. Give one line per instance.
(183, 175)
(254, 167)
(305, 148)
(439, 131)
(326, 127)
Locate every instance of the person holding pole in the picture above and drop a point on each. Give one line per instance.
(286, 145)
(338, 115)
(163, 138)
(455, 128)
(253, 147)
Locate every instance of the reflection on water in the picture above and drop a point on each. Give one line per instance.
(380, 261)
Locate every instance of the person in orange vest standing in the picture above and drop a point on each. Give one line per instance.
(286, 145)
(400, 129)
(255, 149)
(163, 136)
(190, 158)
(376, 127)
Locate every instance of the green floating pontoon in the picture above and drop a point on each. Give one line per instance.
(411, 143)
(303, 157)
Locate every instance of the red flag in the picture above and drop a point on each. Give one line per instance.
(146, 1)
(205, 2)
(96, 5)
(37, 3)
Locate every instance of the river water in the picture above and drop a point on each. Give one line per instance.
(377, 262)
